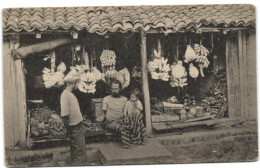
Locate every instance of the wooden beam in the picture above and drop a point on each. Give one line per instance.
(40, 47)
(145, 83)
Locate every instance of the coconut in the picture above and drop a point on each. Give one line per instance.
(193, 111)
(183, 117)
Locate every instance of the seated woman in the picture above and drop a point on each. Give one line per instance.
(130, 128)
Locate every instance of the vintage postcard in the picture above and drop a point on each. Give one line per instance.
(123, 85)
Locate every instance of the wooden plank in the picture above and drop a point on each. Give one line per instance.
(200, 118)
(222, 111)
(145, 84)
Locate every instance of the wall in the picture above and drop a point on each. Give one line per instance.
(14, 99)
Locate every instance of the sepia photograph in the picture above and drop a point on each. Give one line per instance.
(129, 85)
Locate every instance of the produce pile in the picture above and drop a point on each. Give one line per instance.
(45, 122)
(217, 95)
(91, 127)
(56, 126)
(136, 72)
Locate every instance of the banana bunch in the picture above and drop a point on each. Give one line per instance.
(203, 60)
(159, 69)
(179, 75)
(108, 58)
(176, 82)
(87, 87)
(55, 79)
(159, 64)
(87, 77)
(111, 74)
(200, 50)
(163, 76)
(97, 73)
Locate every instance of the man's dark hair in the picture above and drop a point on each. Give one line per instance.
(115, 81)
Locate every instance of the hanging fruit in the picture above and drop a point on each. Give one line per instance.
(201, 57)
(159, 68)
(55, 79)
(179, 75)
(193, 71)
(108, 58)
(178, 70)
(190, 54)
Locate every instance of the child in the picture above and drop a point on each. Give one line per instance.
(133, 105)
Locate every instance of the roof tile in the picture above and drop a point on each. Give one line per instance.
(102, 19)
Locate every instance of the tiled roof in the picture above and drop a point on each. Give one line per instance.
(102, 19)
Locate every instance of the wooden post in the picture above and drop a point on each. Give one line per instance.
(145, 84)
(242, 61)
(14, 96)
(233, 76)
(53, 58)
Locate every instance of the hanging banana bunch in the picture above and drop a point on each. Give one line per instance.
(55, 79)
(108, 62)
(159, 67)
(201, 57)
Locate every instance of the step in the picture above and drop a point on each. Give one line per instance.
(152, 152)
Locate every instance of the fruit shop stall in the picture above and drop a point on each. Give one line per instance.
(190, 70)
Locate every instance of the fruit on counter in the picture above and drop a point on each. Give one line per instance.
(173, 99)
(35, 131)
(193, 71)
(190, 116)
(183, 111)
(183, 117)
(193, 111)
(190, 54)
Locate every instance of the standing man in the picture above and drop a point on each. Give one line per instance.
(72, 118)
